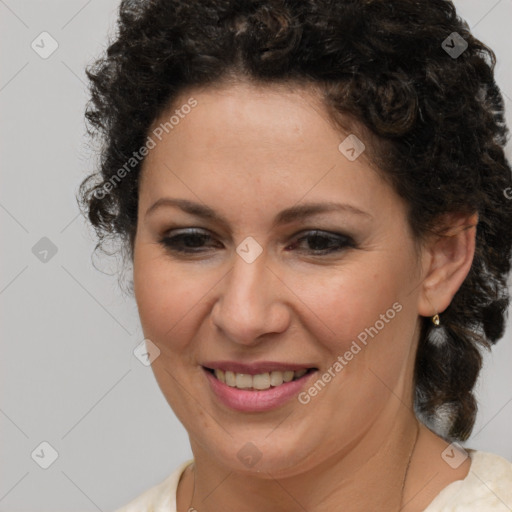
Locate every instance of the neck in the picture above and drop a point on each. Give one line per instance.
(370, 475)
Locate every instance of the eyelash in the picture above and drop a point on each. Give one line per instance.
(175, 243)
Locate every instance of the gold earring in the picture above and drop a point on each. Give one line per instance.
(436, 320)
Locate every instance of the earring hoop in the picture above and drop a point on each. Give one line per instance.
(436, 320)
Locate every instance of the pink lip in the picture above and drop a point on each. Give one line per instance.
(254, 368)
(255, 401)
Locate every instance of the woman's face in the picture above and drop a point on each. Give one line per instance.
(291, 255)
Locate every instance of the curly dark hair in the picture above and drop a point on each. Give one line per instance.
(438, 118)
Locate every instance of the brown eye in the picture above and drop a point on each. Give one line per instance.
(323, 242)
(187, 241)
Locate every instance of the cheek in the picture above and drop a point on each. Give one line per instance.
(369, 342)
(174, 301)
(168, 296)
(349, 302)
(370, 326)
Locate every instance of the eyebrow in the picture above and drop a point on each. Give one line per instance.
(294, 213)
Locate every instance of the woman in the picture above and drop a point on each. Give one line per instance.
(313, 197)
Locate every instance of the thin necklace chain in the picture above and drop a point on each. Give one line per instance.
(192, 468)
(407, 468)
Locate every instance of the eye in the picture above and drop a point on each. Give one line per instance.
(187, 241)
(195, 241)
(323, 242)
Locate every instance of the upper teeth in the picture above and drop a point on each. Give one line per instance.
(259, 381)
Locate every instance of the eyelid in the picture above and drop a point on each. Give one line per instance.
(187, 230)
(323, 232)
(194, 230)
(341, 242)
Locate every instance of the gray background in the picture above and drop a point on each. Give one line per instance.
(68, 374)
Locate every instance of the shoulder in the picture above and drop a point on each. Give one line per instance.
(159, 498)
(487, 486)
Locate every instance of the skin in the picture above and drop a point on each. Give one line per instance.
(249, 152)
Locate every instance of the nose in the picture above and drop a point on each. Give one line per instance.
(251, 303)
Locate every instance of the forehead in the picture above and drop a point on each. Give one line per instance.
(244, 116)
(243, 143)
(241, 120)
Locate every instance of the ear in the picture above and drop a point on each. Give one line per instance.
(447, 259)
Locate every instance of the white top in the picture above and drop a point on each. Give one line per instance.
(486, 488)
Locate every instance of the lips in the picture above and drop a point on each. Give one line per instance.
(256, 387)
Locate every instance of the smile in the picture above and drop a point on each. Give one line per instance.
(256, 392)
(260, 381)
